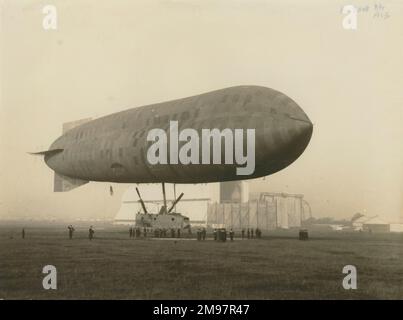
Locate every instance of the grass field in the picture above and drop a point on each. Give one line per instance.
(278, 266)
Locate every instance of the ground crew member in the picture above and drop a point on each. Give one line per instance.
(130, 232)
(248, 233)
(251, 233)
(71, 230)
(23, 233)
(215, 234)
(172, 233)
(243, 233)
(204, 234)
(179, 233)
(91, 233)
(198, 233)
(231, 234)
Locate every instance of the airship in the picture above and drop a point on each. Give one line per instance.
(236, 133)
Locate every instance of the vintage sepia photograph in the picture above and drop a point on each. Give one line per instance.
(209, 150)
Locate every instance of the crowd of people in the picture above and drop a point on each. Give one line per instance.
(137, 232)
(221, 234)
(201, 234)
(250, 233)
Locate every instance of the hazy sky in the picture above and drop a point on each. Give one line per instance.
(107, 56)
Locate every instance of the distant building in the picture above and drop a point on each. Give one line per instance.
(371, 224)
(396, 227)
(266, 211)
(376, 225)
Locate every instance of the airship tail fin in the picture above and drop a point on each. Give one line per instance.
(63, 183)
(47, 152)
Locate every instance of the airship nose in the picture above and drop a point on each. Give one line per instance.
(304, 129)
(300, 130)
(287, 134)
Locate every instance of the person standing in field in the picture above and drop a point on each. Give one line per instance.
(23, 233)
(71, 230)
(231, 235)
(91, 233)
(130, 232)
